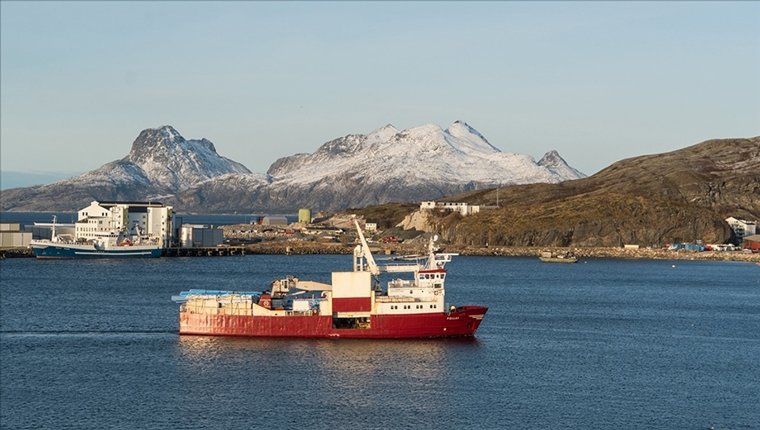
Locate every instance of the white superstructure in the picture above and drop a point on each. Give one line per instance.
(152, 220)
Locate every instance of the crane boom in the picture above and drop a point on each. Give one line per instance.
(365, 252)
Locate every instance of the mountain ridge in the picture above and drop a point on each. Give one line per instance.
(352, 170)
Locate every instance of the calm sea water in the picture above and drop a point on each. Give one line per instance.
(598, 344)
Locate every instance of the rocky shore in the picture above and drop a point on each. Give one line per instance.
(306, 248)
(311, 248)
(604, 252)
(16, 253)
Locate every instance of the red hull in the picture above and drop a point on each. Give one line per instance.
(464, 321)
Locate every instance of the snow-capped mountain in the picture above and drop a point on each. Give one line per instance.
(388, 164)
(161, 160)
(556, 164)
(160, 164)
(170, 161)
(421, 155)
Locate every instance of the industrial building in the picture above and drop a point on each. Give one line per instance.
(143, 218)
(274, 220)
(11, 236)
(742, 228)
(462, 208)
(200, 236)
(752, 243)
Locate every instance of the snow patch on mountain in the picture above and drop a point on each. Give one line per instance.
(382, 134)
(117, 173)
(469, 138)
(388, 164)
(170, 161)
(161, 162)
(420, 155)
(556, 164)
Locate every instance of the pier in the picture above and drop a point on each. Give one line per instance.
(16, 252)
(210, 251)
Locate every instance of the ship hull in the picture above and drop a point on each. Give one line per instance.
(56, 251)
(462, 322)
(558, 259)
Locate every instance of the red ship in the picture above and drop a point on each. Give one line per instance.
(352, 306)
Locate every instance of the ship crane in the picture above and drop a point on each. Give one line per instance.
(364, 261)
(363, 256)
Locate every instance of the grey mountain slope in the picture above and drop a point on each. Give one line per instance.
(160, 163)
(388, 164)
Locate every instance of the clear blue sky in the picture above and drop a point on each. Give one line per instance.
(597, 81)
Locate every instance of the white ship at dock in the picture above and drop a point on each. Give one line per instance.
(109, 229)
(105, 244)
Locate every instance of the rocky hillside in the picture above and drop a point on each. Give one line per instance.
(683, 195)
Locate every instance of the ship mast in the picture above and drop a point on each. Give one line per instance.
(53, 235)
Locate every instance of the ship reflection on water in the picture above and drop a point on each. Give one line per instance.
(330, 351)
(343, 365)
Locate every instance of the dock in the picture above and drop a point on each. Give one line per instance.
(16, 252)
(210, 251)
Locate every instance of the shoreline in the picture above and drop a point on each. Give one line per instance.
(295, 248)
(305, 248)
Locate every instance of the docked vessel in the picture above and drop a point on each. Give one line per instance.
(354, 305)
(102, 249)
(565, 257)
(105, 245)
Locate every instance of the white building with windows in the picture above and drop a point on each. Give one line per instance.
(462, 208)
(154, 220)
(742, 228)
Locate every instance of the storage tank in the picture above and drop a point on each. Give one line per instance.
(304, 215)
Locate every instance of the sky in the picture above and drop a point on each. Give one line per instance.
(597, 81)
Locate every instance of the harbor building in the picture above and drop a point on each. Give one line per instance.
(752, 243)
(274, 220)
(742, 228)
(462, 208)
(11, 236)
(200, 236)
(151, 219)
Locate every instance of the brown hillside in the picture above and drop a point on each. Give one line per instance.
(683, 195)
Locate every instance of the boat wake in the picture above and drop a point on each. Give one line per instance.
(83, 333)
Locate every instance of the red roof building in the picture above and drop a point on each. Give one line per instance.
(752, 242)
